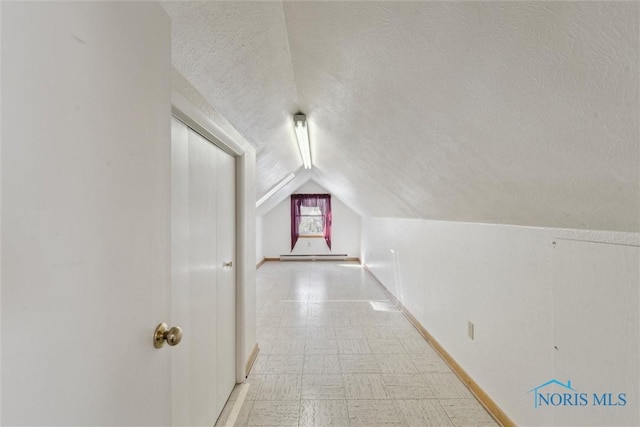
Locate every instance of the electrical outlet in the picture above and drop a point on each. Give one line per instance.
(470, 331)
(308, 244)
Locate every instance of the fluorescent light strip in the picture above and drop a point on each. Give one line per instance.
(302, 134)
(275, 189)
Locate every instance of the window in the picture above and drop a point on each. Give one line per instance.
(310, 217)
(311, 222)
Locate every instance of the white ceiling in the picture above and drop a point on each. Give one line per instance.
(502, 112)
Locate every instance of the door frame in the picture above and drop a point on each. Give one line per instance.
(217, 130)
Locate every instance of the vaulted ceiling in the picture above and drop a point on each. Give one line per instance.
(502, 112)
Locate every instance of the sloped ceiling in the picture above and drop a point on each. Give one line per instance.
(502, 112)
(300, 183)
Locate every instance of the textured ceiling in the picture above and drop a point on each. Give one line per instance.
(503, 112)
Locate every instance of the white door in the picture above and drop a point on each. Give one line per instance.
(203, 289)
(226, 280)
(85, 213)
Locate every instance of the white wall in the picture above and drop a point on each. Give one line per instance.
(502, 279)
(259, 252)
(276, 230)
(246, 247)
(1, 210)
(247, 338)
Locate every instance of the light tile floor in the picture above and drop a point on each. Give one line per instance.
(336, 352)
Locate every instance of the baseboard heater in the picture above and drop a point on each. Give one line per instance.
(327, 257)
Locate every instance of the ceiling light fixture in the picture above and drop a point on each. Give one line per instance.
(275, 189)
(302, 133)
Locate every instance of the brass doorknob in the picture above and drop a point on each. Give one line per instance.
(172, 336)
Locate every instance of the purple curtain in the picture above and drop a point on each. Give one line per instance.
(322, 201)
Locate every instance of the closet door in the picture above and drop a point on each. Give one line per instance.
(202, 271)
(226, 277)
(180, 273)
(203, 288)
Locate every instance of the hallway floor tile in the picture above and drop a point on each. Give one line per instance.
(336, 352)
